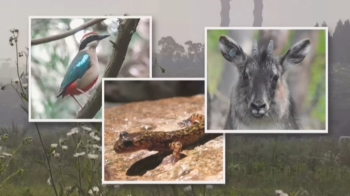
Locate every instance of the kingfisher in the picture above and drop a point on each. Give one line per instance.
(83, 71)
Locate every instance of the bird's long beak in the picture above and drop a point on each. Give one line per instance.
(102, 37)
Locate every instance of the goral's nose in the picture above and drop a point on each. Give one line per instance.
(258, 108)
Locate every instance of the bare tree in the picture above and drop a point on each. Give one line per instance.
(225, 13)
(258, 13)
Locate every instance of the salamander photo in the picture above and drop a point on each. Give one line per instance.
(154, 132)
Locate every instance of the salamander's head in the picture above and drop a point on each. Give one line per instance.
(125, 143)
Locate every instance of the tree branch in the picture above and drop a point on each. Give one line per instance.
(67, 33)
(120, 47)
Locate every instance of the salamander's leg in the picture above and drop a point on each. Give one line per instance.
(176, 147)
(193, 119)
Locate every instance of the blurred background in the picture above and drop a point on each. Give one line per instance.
(307, 82)
(172, 59)
(122, 92)
(49, 62)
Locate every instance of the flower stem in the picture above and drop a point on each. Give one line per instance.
(79, 173)
(13, 154)
(47, 159)
(20, 82)
(26, 64)
(9, 177)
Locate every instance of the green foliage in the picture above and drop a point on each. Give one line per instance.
(290, 41)
(318, 77)
(15, 190)
(8, 157)
(9, 151)
(83, 152)
(322, 42)
(215, 61)
(255, 167)
(319, 166)
(257, 35)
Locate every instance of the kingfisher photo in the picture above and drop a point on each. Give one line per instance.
(69, 56)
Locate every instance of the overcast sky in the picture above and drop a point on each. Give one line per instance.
(182, 19)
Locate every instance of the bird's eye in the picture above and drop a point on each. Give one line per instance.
(275, 78)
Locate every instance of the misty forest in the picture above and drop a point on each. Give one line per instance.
(65, 158)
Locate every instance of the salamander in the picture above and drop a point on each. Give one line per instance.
(191, 131)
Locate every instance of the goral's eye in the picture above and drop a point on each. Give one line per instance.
(275, 78)
(274, 81)
(245, 75)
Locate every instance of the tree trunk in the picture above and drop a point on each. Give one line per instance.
(225, 13)
(258, 13)
(216, 106)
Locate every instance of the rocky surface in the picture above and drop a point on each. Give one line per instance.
(201, 162)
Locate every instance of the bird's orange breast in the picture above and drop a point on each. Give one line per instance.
(72, 88)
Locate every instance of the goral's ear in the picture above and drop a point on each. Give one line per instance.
(296, 54)
(230, 50)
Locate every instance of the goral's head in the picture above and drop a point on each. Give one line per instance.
(262, 89)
